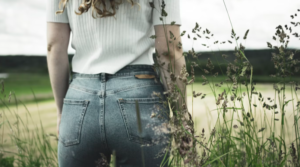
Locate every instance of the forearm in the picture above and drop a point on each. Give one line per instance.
(165, 77)
(58, 68)
(161, 46)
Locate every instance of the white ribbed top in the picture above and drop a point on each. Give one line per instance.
(108, 44)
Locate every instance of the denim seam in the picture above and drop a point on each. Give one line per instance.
(136, 86)
(84, 105)
(102, 113)
(89, 91)
(132, 137)
(117, 75)
(141, 100)
(95, 92)
(124, 119)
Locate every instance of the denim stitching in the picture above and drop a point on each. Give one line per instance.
(124, 118)
(117, 75)
(136, 86)
(111, 92)
(132, 137)
(102, 113)
(84, 104)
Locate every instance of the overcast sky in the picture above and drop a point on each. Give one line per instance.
(23, 23)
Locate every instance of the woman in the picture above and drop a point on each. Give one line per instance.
(110, 104)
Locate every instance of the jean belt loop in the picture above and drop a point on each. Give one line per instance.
(103, 77)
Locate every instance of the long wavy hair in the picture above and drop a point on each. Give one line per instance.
(95, 4)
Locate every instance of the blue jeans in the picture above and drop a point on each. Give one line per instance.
(100, 115)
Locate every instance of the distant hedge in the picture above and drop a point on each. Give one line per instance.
(260, 59)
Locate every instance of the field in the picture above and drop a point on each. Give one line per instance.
(43, 112)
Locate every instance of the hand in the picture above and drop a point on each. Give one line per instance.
(58, 123)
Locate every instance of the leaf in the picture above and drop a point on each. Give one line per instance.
(164, 13)
(196, 26)
(173, 22)
(207, 31)
(218, 158)
(262, 129)
(1, 124)
(236, 138)
(287, 102)
(153, 36)
(182, 34)
(151, 4)
(246, 34)
(243, 71)
(269, 45)
(232, 33)
(171, 35)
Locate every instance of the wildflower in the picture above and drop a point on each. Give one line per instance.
(224, 105)
(232, 97)
(196, 94)
(293, 154)
(102, 162)
(153, 114)
(209, 64)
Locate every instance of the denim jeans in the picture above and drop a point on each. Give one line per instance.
(106, 113)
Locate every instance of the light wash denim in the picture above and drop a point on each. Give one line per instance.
(99, 115)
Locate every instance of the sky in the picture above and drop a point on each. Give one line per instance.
(23, 24)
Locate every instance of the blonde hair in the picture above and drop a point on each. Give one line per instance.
(87, 4)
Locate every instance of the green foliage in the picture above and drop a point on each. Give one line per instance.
(242, 134)
(6, 161)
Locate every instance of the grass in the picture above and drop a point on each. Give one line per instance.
(246, 124)
(46, 113)
(257, 141)
(22, 83)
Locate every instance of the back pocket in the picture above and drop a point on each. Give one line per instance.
(72, 116)
(150, 128)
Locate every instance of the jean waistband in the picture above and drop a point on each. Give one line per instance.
(128, 70)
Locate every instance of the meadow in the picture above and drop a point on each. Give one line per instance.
(230, 119)
(35, 117)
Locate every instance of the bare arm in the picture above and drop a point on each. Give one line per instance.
(176, 54)
(58, 35)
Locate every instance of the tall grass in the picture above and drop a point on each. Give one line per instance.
(26, 147)
(250, 128)
(243, 134)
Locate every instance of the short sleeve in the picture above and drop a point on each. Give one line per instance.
(172, 7)
(51, 8)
